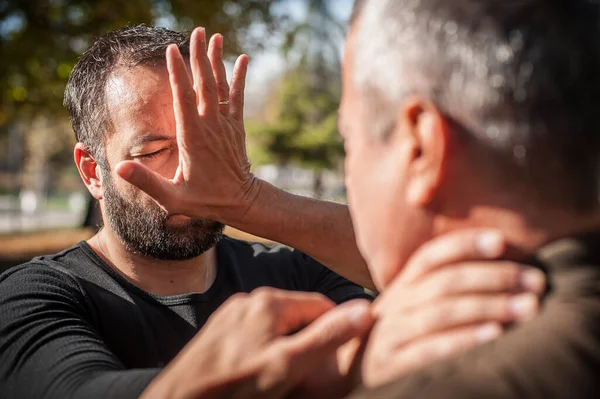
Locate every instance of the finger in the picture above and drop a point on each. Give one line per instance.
(483, 278)
(454, 312)
(184, 97)
(477, 278)
(459, 246)
(289, 311)
(298, 354)
(204, 81)
(335, 328)
(238, 85)
(435, 348)
(215, 53)
(159, 188)
(466, 278)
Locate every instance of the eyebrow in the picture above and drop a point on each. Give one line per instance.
(141, 140)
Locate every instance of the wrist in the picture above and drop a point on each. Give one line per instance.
(246, 204)
(162, 386)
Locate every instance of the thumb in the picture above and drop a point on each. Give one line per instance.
(159, 188)
(330, 331)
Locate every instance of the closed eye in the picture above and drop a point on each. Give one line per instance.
(151, 154)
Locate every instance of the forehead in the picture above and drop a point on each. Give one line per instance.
(135, 88)
(138, 101)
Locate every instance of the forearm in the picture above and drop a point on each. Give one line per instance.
(321, 229)
(117, 384)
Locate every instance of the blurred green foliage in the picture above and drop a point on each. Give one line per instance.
(302, 126)
(40, 40)
(301, 123)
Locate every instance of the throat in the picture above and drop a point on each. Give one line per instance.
(158, 277)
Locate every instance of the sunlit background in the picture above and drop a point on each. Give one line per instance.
(293, 90)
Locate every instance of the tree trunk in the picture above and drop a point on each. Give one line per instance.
(318, 184)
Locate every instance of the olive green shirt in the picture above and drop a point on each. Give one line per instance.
(556, 355)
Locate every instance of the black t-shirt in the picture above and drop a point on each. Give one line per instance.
(72, 327)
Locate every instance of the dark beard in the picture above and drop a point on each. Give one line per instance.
(143, 229)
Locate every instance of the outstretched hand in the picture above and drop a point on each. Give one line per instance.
(213, 172)
(454, 293)
(263, 345)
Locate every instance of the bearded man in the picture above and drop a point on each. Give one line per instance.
(125, 312)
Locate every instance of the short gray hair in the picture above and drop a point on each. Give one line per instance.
(521, 78)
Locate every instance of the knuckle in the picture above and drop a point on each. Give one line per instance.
(474, 309)
(433, 318)
(265, 299)
(502, 307)
(441, 283)
(421, 354)
(189, 94)
(452, 280)
(423, 260)
(223, 85)
(511, 276)
(236, 299)
(444, 315)
(210, 86)
(497, 307)
(280, 361)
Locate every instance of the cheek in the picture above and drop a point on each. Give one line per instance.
(129, 193)
(382, 220)
(365, 195)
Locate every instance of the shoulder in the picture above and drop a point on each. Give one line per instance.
(257, 255)
(40, 281)
(283, 267)
(254, 249)
(556, 355)
(36, 274)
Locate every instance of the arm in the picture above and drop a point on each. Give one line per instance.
(323, 230)
(49, 347)
(213, 180)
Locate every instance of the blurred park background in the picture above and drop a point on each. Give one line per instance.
(293, 90)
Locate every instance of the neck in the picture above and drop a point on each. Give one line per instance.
(526, 234)
(156, 276)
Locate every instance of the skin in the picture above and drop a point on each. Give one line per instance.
(333, 342)
(229, 193)
(140, 108)
(427, 184)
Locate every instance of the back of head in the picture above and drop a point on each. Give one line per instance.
(519, 79)
(123, 48)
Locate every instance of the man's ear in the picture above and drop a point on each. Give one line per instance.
(89, 170)
(429, 135)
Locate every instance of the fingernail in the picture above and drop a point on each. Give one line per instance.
(524, 306)
(490, 244)
(488, 332)
(533, 280)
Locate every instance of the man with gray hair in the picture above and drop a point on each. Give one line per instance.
(460, 115)
(158, 303)
(467, 113)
